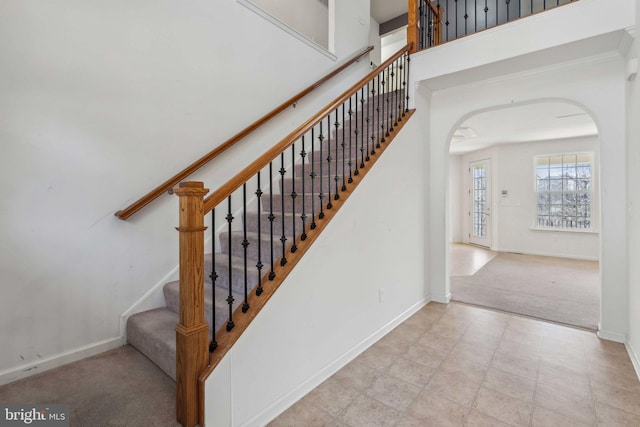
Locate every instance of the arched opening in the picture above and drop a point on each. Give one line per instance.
(524, 211)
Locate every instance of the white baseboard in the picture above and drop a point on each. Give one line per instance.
(633, 355)
(70, 356)
(517, 251)
(296, 394)
(611, 336)
(443, 300)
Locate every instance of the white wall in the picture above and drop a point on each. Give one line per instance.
(514, 217)
(633, 204)
(102, 101)
(328, 309)
(456, 209)
(374, 40)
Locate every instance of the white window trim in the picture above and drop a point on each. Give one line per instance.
(595, 217)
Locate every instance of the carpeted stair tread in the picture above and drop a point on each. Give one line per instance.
(265, 223)
(153, 333)
(288, 201)
(252, 249)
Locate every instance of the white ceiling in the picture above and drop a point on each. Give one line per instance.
(525, 123)
(384, 10)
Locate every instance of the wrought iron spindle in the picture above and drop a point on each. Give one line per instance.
(356, 132)
(214, 276)
(362, 132)
(475, 16)
(259, 264)
(381, 109)
(372, 112)
(313, 180)
(407, 85)
(456, 2)
(272, 274)
(466, 17)
(230, 298)
(245, 245)
(507, 3)
(336, 177)
(321, 194)
(368, 119)
(486, 11)
(343, 145)
(329, 158)
(350, 135)
(497, 14)
(421, 21)
(283, 237)
(387, 104)
(303, 216)
(446, 22)
(294, 196)
(403, 107)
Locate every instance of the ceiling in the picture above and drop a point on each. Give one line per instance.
(384, 10)
(525, 123)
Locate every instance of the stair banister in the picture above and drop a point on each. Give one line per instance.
(167, 186)
(243, 176)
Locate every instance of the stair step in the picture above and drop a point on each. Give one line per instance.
(288, 201)
(328, 183)
(172, 299)
(153, 333)
(252, 249)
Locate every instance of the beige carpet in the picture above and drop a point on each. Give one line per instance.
(557, 289)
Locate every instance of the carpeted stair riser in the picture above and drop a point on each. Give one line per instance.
(172, 298)
(252, 249)
(288, 201)
(153, 333)
(265, 223)
(222, 270)
(328, 183)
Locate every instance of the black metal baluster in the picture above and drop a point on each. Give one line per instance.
(446, 22)
(403, 106)
(283, 237)
(387, 104)
(230, 298)
(421, 21)
(531, 6)
(356, 133)
(466, 17)
(475, 16)
(368, 119)
(214, 276)
(378, 121)
(398, 91)
(272, 273)
(383, 117)
(259, 264)
(362, 133)
(294, 196)
(497, 12)
(407, 79)
(343, 144)
(507, 3)
(486, 11)
(245, 245)
(392, 88)
(313, 180)
(350, 134)
(321, 194)
(372, 112)
(456, 2)
(303, 216)
(329, 158)
(336, 177)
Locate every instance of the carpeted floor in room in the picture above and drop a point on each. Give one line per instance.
(557, 289)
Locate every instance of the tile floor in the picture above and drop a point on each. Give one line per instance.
(459, 365)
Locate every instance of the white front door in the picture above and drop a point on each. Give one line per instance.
(480, 203)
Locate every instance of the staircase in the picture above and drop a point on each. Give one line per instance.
(153, 332)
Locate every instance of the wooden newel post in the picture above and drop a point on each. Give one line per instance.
(412, 27)
(192, 333)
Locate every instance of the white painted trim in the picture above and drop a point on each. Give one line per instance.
(633, 355)
(445, 300)
(611, 336)
(517, 251)
(33, 368)
(296, 394)
(292, 31)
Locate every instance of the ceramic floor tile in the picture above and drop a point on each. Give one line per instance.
(393, 392)
(566, 403)
(480, 339)
(478, 419)
(545, 418)
(331, 396)
(472, 353)
(302, 414)
(514, 365)
(437, 342)
(356, 375)
(612, 417)
(408, 332)
(437, 411)
(613, 377)
(425, 355)
(392, 344)
(368, 412)
(453, 387)
(502, 407)
(552, 377)
(411, 372)
(377, 358)
(625, 400)
(512, 385)
(464, 369)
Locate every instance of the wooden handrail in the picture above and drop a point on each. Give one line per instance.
(189, 170)
(243, 176)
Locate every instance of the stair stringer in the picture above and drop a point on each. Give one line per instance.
(400, 311)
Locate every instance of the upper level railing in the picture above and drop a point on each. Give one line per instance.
(266, 217)
(432, 22)
(192, 168)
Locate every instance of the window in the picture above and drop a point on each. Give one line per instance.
(563, 186)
